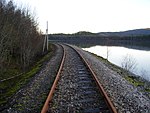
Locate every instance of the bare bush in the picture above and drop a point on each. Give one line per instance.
(129, 63)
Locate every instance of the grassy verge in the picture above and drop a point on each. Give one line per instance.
(9, 87)
(131, 78)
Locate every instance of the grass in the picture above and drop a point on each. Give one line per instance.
(134, 81)
(147, 89)
(9, 72)
(9, 87)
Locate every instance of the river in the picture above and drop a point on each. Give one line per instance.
(116, 55)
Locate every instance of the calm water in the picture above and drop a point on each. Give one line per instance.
(117, 54)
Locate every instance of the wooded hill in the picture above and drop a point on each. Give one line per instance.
(132, 38)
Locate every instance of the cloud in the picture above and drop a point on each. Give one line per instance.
(91, 15)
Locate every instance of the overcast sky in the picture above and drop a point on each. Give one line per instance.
(70, 16)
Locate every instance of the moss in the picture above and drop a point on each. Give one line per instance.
(3, 102)
(134, 81)
(147, 89)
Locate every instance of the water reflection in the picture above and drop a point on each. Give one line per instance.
(116, 55)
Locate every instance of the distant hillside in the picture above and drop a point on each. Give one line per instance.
(139, 37)
(136, 32)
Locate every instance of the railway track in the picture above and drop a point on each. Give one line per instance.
(76, 88)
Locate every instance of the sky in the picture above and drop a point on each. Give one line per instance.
(70, 16)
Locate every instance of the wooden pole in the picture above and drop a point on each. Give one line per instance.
(46, 39)
(47, 35)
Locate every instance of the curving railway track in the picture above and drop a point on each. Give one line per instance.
(76, 88)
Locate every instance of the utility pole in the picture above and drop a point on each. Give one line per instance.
(47, 35)
(46, 39)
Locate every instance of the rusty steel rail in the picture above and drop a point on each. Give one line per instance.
(101, 89)
(107, 99)
(46, 104)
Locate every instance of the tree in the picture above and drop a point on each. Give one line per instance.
(20, 41)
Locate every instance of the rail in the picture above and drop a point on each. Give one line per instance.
(101, 89)
(45, 107)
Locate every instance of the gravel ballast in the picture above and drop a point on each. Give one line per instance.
(76, 91)
(125, 96)
(31, 97)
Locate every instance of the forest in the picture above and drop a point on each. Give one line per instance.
(20, 39)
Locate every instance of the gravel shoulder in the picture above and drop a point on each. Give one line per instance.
(125, 96)
(30, 98)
